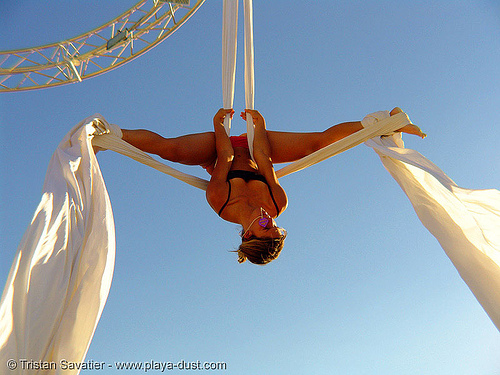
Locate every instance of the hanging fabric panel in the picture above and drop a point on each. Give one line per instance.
(229, 53)
(61, 274)
(229, 49)
(465, 222)
(249, 71)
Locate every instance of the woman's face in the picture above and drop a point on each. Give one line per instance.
(262, 229)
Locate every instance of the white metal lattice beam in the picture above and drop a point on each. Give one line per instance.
(117, 42)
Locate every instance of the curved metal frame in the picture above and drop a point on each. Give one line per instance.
(117, 42)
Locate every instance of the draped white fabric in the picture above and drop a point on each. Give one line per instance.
(229, 52)
(249, 71)
(465, 222)
(229, 49)
(62, 271)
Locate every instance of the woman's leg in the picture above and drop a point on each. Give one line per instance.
(287, 147)
(192, 149)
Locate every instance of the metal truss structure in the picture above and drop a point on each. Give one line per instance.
(117, 42)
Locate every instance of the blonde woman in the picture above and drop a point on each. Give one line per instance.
(242, 190)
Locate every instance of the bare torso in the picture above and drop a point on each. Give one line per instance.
(253, 193)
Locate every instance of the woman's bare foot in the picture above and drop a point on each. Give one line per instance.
(410, 128)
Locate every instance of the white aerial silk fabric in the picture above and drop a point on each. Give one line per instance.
(62, 271)
(465, 222)
(229, 52)
(249, 71)
(229, 49)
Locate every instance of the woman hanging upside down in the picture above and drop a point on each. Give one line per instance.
(241, 190)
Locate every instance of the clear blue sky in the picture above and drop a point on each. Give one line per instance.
(361, 286)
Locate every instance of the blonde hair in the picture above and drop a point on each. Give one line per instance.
(260, 250)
